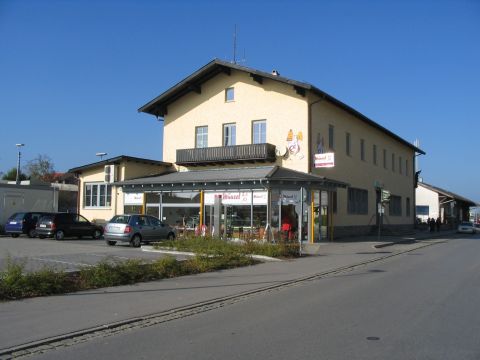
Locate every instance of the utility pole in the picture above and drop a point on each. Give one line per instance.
(17, 179)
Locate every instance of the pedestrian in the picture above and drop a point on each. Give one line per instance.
(438, 223)
(432, 224)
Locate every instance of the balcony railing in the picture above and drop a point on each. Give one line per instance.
(226, 154)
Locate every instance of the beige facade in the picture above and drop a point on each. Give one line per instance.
(366, 173)
(125, 168)
(300, 119)
(277, 104)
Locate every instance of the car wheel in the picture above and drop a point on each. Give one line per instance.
(136, 241)
(97, 234)
(111, 243)
(32, 233)
(15, 235)
(59, 235)
(171, 236)
(41, 236)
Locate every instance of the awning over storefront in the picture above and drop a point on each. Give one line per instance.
(263, 177)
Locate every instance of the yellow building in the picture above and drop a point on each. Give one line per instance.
(100, 198)
(260, 152)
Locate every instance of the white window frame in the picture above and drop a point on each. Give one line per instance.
(201, 137)
(229, 134)
(230, 94)
(259, 132)
(95, 204)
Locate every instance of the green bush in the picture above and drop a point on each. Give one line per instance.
(16, 283)
(211, 246)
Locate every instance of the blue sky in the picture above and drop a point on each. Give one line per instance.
(74, 73)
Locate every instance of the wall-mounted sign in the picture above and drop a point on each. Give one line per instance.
(237, 198)
(293, 144)
(324, 160)
(133, 199)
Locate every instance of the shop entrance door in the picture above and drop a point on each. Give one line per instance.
(289, 227)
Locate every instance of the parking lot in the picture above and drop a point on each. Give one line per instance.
(68, 255)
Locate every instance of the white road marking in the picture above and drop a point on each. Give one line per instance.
(61, 262)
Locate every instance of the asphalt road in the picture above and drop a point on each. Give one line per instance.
(419, 305)
(68, 255)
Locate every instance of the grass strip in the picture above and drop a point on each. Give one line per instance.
(212, 246)
(16, 283)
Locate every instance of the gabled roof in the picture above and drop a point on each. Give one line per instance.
(193, 82)
(117, 160)
(448, 194)
(230, 177)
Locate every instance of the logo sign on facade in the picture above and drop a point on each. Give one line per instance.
(385, 196)
(133, 199)
(325, 160)
(293, 144)
(237, 198)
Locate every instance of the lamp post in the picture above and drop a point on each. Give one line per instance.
(17, 180)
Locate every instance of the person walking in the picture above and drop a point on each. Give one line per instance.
(438, 223)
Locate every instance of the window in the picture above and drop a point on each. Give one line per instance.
(201, 136)
(400, 165)
(374, 154)
(407, 172)
(362, 149)
(357, 201)
(407, 206)
(395, 206)
(229, 135)
(393, 162)
(97, 195)
(384, 158)
(347, 143)
(259, 132)
(229, 94)
(331, 137)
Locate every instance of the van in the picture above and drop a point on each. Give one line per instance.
(23, 223)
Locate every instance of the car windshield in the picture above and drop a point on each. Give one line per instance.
(46, 218)
(17, 216)
(467, 224)
(120, 219)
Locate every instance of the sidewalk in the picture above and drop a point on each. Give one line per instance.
(34, 319)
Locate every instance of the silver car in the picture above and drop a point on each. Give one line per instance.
(136, 229)
(466, 227)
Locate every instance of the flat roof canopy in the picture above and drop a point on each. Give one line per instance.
(263, 177)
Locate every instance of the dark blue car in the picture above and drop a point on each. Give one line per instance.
(23, 223)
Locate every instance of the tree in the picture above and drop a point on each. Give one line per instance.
(11, 175)
(41, 168)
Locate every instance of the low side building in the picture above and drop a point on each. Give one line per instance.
(434, 202)
(100, 199)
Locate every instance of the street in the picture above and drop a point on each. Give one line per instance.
(421, 304)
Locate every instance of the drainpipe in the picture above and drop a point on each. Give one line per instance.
(310, 135)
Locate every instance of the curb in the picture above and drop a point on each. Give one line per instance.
(187, 253)
(413, 239)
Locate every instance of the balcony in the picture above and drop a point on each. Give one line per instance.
(226, 155)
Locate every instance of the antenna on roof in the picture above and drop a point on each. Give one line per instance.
(235, 45)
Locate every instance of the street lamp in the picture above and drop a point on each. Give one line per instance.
(101, 155)
(17, 180)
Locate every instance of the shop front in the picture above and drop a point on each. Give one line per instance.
(291, 206)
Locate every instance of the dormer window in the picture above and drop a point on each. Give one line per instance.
(229, 94)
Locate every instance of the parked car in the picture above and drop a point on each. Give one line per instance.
(136, 229)
(61, 225)
(466, 227)
(476, 227)
(23, 223)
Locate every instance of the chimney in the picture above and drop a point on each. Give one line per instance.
(275, 73)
